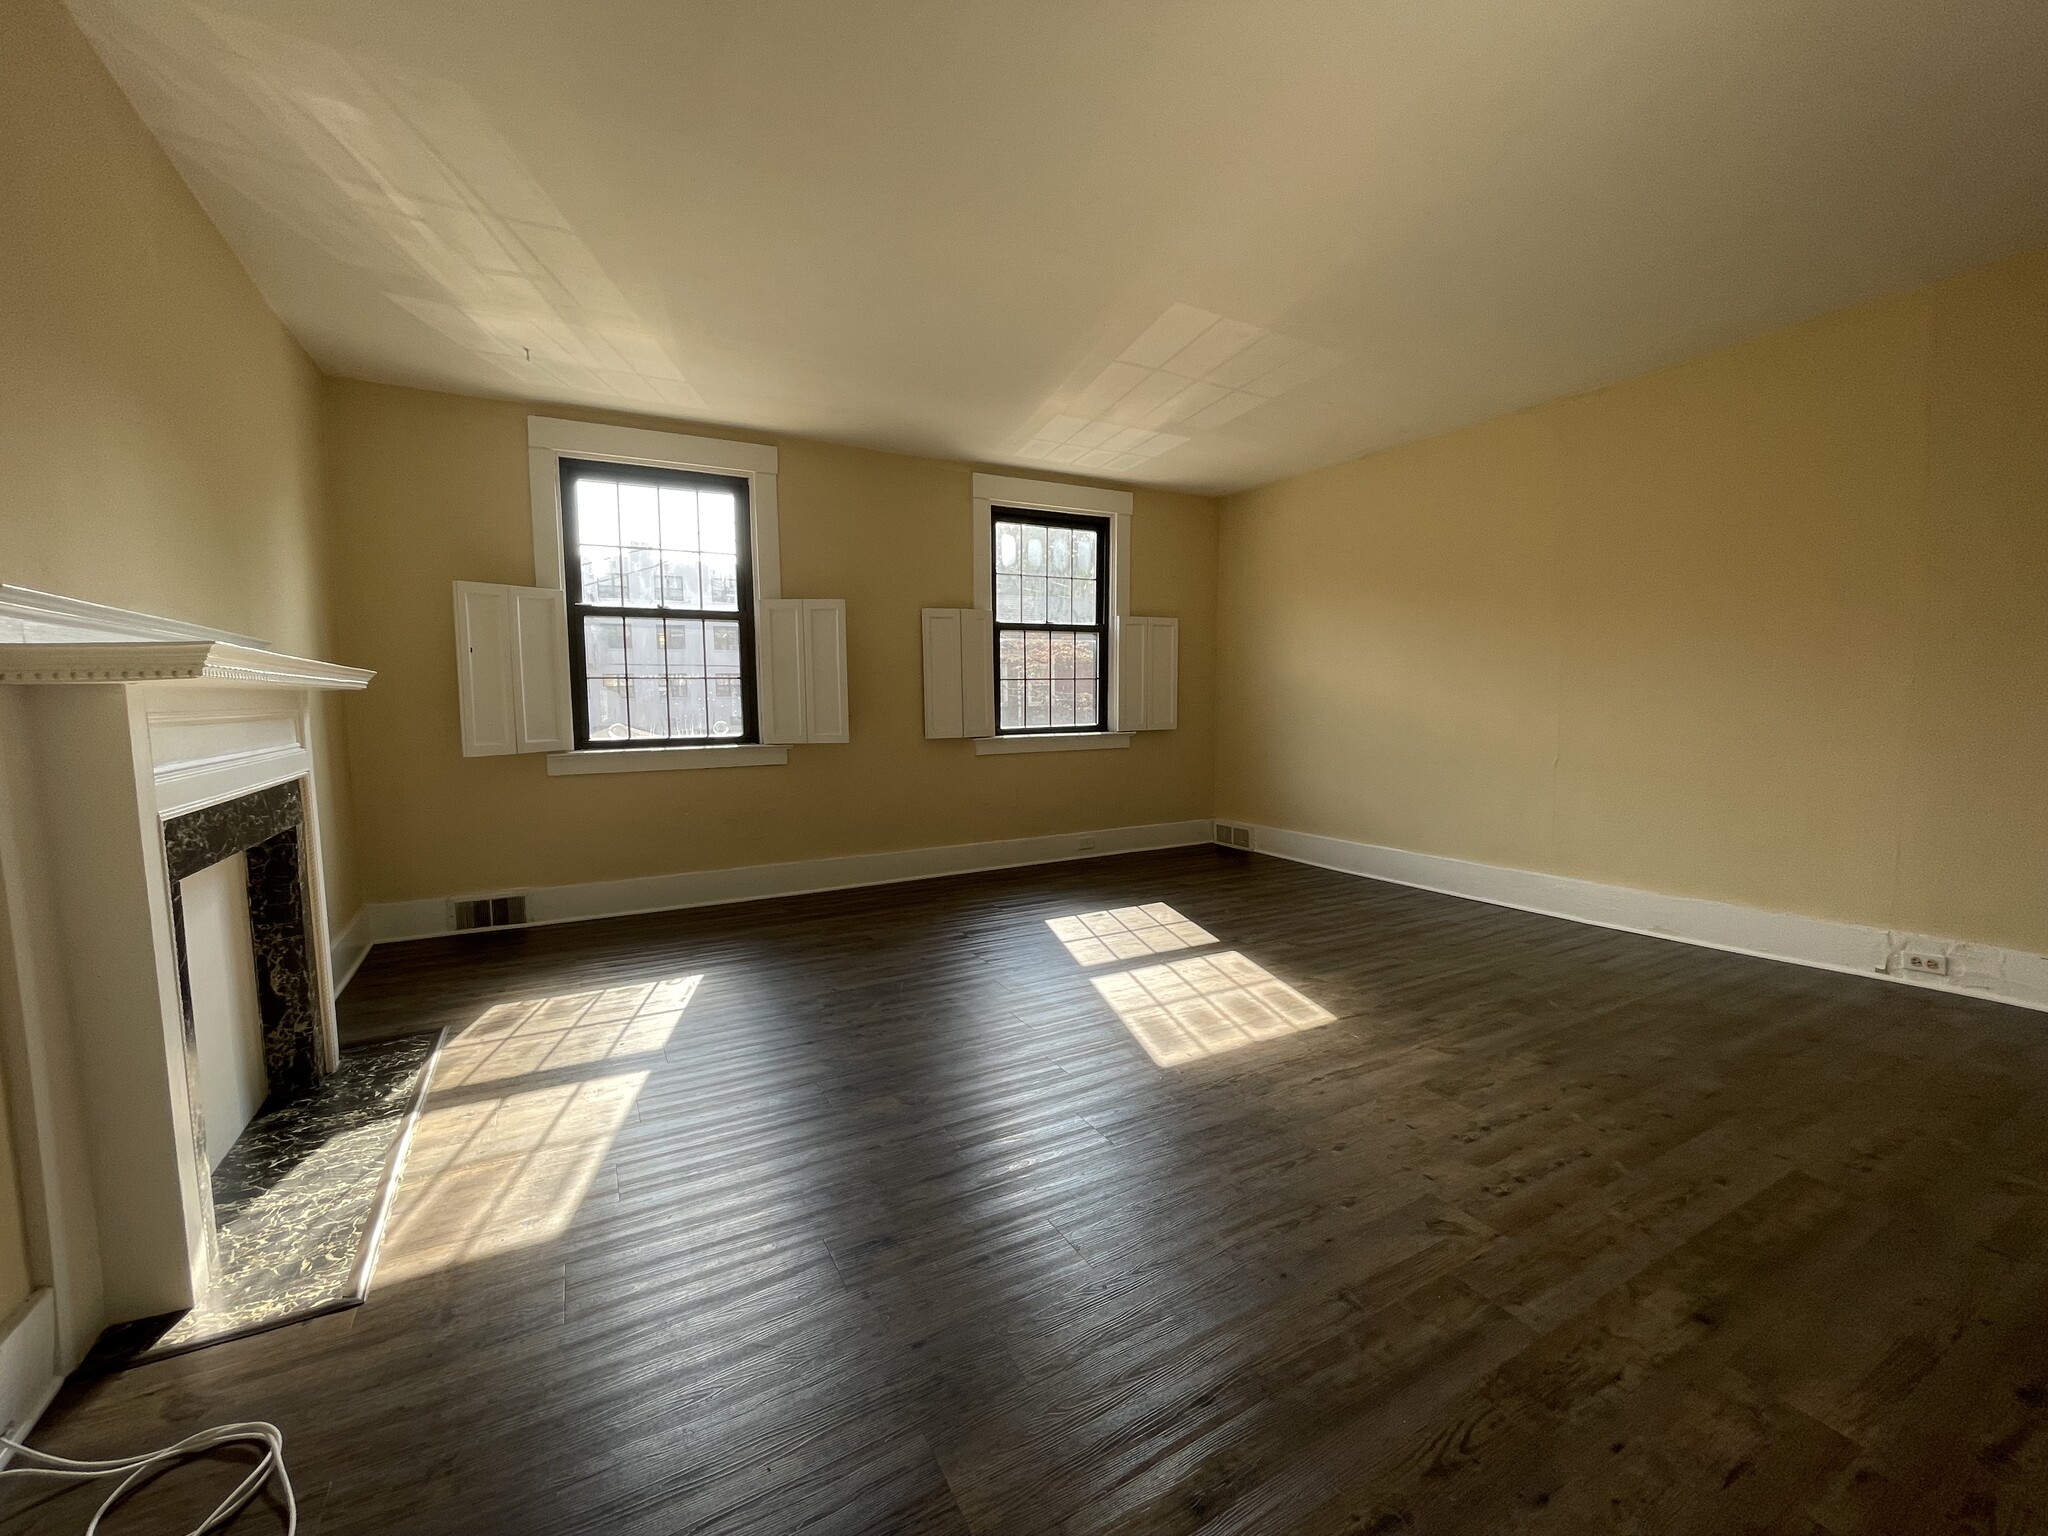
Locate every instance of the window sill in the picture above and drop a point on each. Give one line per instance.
(661, 759)
(1080, 741)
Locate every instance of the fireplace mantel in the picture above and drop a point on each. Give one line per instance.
(132, 721)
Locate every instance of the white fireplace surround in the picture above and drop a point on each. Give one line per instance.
(132, 719)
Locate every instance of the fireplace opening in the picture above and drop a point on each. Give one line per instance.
(227, 1016)
(259, 838)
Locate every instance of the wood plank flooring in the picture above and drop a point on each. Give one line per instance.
(867, 1213)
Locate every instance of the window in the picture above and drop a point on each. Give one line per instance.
(660, 589)
(1051, 621)
(1050, 658)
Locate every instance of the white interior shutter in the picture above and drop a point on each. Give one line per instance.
(779, 668)
(1148, 674)
(959, 672)
(1130, 674)
(978, 677)
(824, 631)
(540, 618)
(800, 653)
(942, 669)
(512, 669)
(484, 669)
(1162, 674)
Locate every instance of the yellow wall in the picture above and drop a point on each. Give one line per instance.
(160, 432)
(432, 489)
(1769, 627)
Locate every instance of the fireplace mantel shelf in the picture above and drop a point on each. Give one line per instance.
(149, 661)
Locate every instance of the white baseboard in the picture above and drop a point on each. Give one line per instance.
(347, 950)
(384, 922)
(1976, 970)
(28, 1366)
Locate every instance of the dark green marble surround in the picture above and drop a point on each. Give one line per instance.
(269, 826)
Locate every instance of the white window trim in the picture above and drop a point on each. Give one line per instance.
(1080, 741)
(548, 441)
(992, 491)
(661, 759)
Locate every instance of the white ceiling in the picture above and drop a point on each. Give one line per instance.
(1197, 243)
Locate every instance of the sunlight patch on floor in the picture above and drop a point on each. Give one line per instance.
(1127, 933)
(1206, 1005)
(540, 1034)
(523, 1108)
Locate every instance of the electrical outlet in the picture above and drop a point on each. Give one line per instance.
(1924, 963)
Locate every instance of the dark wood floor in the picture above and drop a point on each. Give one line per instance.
(1551, 1229)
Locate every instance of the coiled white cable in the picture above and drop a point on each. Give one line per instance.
(141, 1469)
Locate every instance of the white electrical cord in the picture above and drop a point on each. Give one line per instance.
(140, 1469)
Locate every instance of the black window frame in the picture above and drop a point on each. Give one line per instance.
(1101, 527)
(741, 487)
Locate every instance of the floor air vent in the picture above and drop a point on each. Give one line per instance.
(1233, 837)
(487, 911)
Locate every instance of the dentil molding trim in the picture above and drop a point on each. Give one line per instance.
(145, 661)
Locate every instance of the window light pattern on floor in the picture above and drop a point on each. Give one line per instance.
(1127, 933)
(1206, 1005)
(523, 1108)
(539, 1034)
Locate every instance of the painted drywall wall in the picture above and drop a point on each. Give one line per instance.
(160, 429)
(1769, 627)
(433, 488)
(160, 434)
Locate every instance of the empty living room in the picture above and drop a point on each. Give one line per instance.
(1023, 768)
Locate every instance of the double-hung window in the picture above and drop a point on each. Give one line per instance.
(659, 580)
(1051, 621)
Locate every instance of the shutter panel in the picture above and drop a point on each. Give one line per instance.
(541, 624)
(959, 673)
(1162, 674)
(942, 666)
(824, 632)
(801, 667)
(978, 674)
(779, 664)
(512, 669)
(483, 669)
(1148, 674)
(1130, 674)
